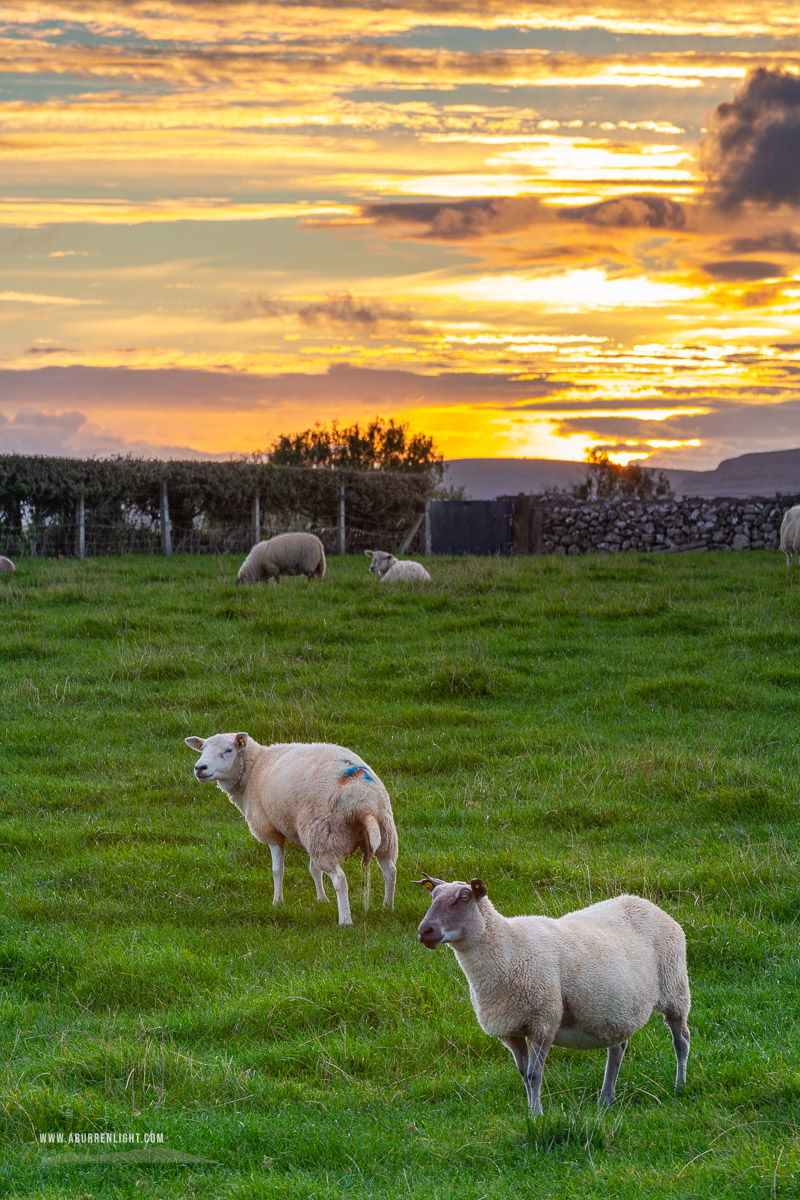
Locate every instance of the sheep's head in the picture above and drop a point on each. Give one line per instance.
(219, 755)
(381, 561)
(454, 912)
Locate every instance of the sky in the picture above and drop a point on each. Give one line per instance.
(525, 230)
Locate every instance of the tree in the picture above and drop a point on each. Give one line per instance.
(379, 446)
(607, 480)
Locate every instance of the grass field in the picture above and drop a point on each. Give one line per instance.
(565, 728)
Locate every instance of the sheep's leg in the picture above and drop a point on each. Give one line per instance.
(519, 1050)
(613, 1063)
(278, 853)
(339, 881)
(537, 1053)
(316, 875)
(680, 1040)
(389, 878)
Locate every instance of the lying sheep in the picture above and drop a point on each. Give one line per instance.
(790, 533)
(6, 564)
(392, 569)
(286, 554)
(588, 979)
(320, 797)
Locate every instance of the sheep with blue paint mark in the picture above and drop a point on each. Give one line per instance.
(320, 797)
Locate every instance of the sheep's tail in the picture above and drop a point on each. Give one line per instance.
(371, 842)
(367, 834)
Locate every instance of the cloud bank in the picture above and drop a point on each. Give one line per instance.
(752, 151)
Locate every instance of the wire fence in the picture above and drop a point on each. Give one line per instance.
(81, 508)
(140, 533)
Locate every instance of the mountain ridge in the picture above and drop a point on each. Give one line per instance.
(765, 473)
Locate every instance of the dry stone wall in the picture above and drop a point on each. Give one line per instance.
(566, 526)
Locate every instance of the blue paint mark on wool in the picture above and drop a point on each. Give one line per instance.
(355, 770)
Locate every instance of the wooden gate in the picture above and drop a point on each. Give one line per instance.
(472, 526)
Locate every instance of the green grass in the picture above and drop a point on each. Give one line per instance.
(566, 728)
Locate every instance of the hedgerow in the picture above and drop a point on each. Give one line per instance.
(210, 503)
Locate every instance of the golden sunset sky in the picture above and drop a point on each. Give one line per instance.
(523, 229)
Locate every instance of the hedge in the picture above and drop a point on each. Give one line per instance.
(210, 503)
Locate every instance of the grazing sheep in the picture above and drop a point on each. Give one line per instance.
(585, 980)
(392, 569)
(322, 798)
(790, 533)
(6, 564)
(286, 554)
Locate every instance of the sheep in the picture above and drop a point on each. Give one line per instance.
(322, 798)
(790, 533)
(585, 980)
(392, 569)
(6, 564)
(286, 554)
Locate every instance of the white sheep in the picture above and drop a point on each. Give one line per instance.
(286, 554)
(6, 564)
(586, 980)
(790, 533)
(322, 798)
(392, 569)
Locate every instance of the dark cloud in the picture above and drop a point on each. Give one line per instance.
(785, 241)
(461, 220)
(735, 425)
(745, 270)
(176, 389)
(343, 311)
(752, 150)
(367, 316)
(253, 308)
(32, 431)
(630, 212)
(476, 218)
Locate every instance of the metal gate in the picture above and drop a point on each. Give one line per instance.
(472, 526)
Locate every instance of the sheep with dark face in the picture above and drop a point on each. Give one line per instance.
(285, 554)
(586, 980)
(320, 797)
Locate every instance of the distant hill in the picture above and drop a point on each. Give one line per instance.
(773, 472)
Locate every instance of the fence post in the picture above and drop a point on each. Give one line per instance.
(427, 527)
(80, 525)
(255, 522)
(342, 538)
(166, 533)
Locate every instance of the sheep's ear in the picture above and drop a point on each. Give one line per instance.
(427, 882)
(369, 553)
(240, 740)
(194, 742)
(478, 888)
